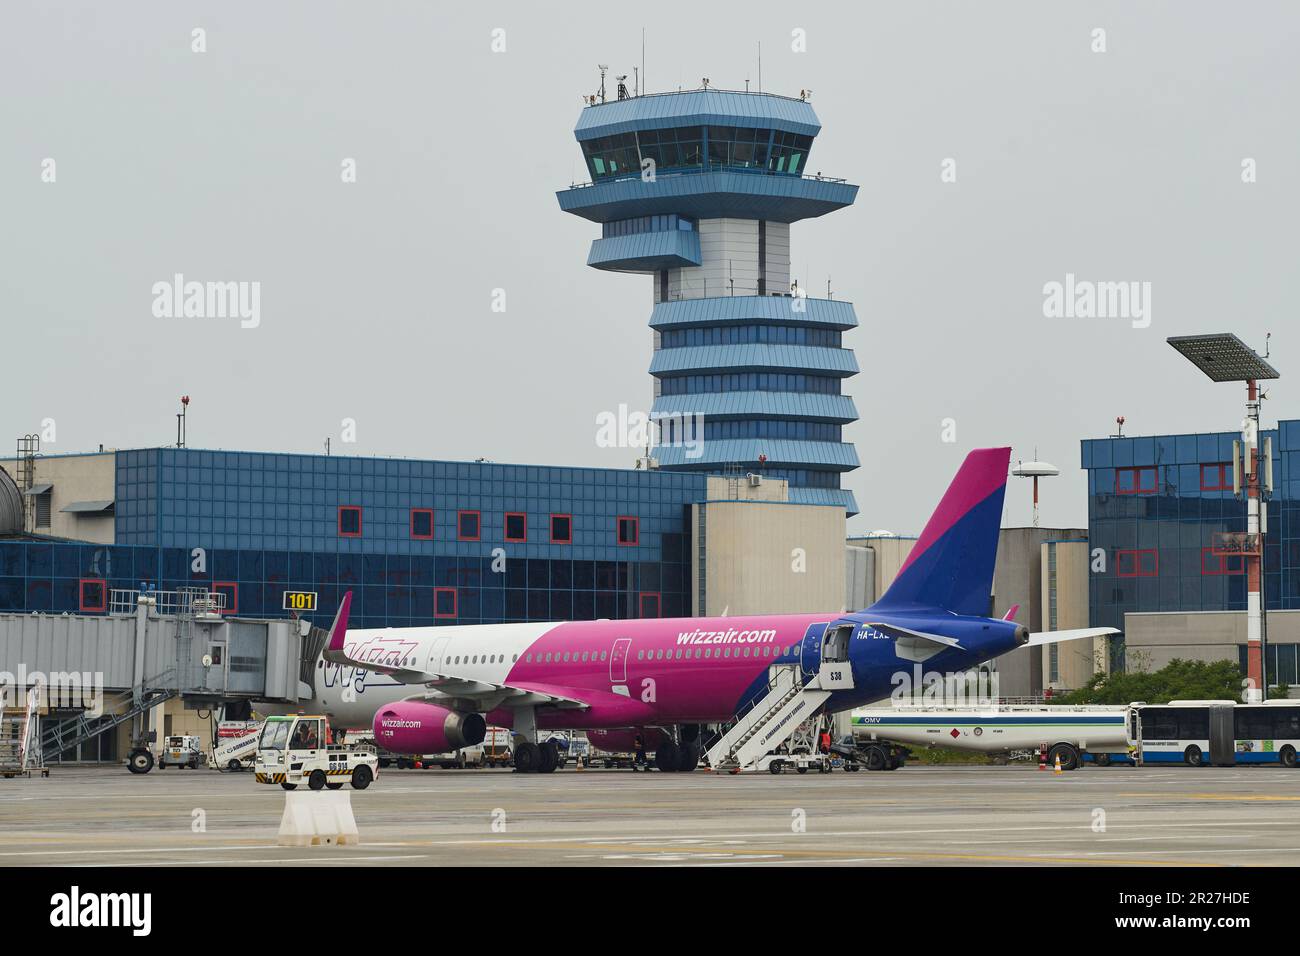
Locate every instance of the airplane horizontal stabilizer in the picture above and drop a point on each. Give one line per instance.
(1055, 637)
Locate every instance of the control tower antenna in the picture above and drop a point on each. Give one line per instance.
(760, 66)
(622, 86)
(603, 67)
(645, 82)
(1035, 470)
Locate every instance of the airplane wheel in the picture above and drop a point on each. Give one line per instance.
(690, 758)
(316, 780)
(528, 757)
(667, 757)
(361, 777)
(139, 761)
(550, 755)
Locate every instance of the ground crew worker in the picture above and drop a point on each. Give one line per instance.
(639, 760)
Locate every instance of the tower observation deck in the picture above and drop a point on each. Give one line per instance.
(698, 190)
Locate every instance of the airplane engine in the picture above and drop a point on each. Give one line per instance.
(413, 727)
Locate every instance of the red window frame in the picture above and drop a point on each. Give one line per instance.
(81, 595)
(1136, 570)
(233, 606)
(636, 531)
(1225, 476)
(478, 518)
(554, 539)
(454, 603)
(422, 511)
(642, 602)
(1222, 559)
(360, 521)
(506, 525)
(1138, 487)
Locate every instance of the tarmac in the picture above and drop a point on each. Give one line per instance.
(915, 816)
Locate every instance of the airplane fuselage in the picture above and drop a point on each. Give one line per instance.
(651, 672)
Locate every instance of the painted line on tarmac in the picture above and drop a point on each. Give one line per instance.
(247, 862)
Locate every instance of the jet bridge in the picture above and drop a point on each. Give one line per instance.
(99, 671)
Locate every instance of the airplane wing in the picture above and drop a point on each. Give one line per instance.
(394, 655)
(1055, 637)
(913, 645)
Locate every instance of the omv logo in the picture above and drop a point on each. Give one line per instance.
(340, 675)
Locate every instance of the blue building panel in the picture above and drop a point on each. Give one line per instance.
(722, 406)
(709, 193)
(266, 523)
(828, 361)
(697, 108)
(831, 313)
(646, 252)
(1155, 505)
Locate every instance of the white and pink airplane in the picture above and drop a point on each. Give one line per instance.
(675, 681)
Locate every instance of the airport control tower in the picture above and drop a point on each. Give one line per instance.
(698, 190)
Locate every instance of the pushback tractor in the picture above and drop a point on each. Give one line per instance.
(293, 751)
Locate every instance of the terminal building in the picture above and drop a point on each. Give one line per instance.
(1155, 507)
(419, 543)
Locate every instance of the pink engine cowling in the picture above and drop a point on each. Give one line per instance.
(413, 727)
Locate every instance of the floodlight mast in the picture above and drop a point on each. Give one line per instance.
(1225, 358)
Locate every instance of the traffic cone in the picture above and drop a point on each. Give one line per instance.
(1058, 765)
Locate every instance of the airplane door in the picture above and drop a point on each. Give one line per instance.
(810, 648)
(618, 661)
(435, 655)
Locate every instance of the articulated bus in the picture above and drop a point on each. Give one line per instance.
(1218, 732)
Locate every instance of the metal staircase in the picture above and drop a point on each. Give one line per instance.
(57, 738)
(18, 729)
(772, 717)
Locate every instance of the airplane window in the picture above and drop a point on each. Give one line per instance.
(679, 653)
(516, 658)
(726, 652)
(640, 655)
(602, 654)
(584, 656)
(548, 657)
(697, 653)
(747, 652)
(528, 658)
(566, 657)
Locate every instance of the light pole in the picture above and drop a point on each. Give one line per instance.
(1225, 358)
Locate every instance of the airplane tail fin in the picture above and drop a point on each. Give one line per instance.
(951, 566)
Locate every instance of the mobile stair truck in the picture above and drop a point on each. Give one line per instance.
(293, 750)
(236, 750)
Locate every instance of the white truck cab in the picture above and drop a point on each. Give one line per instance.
(292, 750)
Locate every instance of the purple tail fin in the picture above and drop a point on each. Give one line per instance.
(951, 566)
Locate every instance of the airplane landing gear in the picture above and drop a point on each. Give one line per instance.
(528, 757)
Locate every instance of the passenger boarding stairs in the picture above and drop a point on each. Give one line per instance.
(773, 716)
(18, 731)
(231, 753)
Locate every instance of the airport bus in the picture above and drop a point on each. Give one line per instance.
(1218, 732)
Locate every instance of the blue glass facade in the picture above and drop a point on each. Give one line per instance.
(579, 543)
(1155, 505)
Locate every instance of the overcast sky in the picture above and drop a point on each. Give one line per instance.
(1123, 165)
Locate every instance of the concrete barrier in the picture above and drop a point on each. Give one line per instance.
(318, 818)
